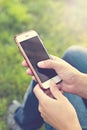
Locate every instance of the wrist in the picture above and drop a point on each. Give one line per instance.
(75, 127)
(81, 85)
(72, 127)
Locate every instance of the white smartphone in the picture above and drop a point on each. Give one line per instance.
(34, 51)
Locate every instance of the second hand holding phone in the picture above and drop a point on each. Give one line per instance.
(34, 51)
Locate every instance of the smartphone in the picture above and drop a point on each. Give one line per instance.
(33, 50)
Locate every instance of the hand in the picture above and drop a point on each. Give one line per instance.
(73, 81)
(28, 71)
(57, 111)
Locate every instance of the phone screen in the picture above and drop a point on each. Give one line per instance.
(36, 52)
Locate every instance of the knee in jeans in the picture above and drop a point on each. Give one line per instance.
(71, 52)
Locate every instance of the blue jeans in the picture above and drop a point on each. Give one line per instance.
(28, 116)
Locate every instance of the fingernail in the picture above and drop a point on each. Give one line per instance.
(41, 64)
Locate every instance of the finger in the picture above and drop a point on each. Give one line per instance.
(39, 108)
(24, 63)
(47, 91)
(53, 57)
(55, 91)
(34, 78)
(40, 94)
(29, 72)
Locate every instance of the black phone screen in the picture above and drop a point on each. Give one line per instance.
(36, 52)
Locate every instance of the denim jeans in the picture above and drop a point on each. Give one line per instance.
(28, 116)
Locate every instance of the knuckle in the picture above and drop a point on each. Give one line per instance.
(39, 108)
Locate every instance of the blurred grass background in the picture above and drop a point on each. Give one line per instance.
(60, 24)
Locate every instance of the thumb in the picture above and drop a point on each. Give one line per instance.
(51, 63)
(55, 91)
(40, 94)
